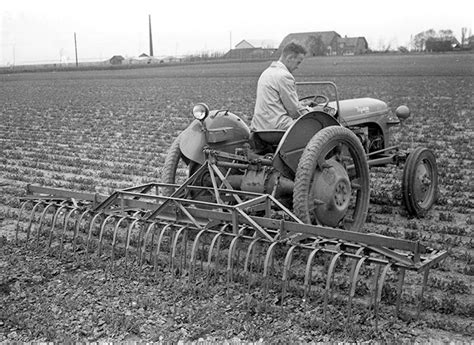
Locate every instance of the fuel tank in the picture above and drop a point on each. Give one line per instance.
(221, 130)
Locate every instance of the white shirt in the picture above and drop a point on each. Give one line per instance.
(277, 102)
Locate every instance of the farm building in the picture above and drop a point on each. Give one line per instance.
(317, 43)
(326, 43)
(251, 49)
(352, 46)
(441, 44)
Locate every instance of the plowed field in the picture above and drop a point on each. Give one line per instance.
(101, 130)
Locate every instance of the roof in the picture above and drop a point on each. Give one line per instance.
(257, 43)
(350, 41)
(301, 37)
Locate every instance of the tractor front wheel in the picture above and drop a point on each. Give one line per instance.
(332, 180)
(420, 181)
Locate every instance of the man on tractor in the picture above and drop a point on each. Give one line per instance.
(277, 104)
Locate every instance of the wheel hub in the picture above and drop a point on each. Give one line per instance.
(422, 183)
(331, 192)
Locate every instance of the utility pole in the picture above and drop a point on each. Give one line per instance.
(151, 38)
(75, 48)
(230, 40)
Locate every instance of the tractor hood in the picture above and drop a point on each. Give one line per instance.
(360, 110)
(220, 130)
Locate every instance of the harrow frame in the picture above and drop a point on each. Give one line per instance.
(247, 218)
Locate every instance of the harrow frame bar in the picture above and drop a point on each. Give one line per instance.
(411, 255)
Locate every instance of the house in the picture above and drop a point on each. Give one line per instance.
(441, 44)
(116, 60)
(244, 44)
(352, 46)
(247, 44)
(251, 49)
(316, 43)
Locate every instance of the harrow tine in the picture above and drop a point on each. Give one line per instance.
(373, 296)
(30, 223)
(145, 237)
(101, 234)
(114, 240)
(230, 263)
(247, 267)
(174, 247)
(423, 288)
(309, 270)
(354, 276)
(286, 269)
(268, 260)
(63, 233)
(89, 237)
(40, 225)
(158, 246)
(329, 281)
(216, 239)
(194, 250)
(76, 229)
(22, 208)
(401, 279)
(379, 292)
(130, 227)
(55, 218)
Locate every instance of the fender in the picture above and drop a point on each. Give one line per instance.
(221, 130)
(293, 143)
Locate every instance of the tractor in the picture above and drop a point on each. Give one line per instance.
(319, 167)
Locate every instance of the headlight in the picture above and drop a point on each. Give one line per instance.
(402, 112)
(200, 111)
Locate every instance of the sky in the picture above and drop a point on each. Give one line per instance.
(33, 31)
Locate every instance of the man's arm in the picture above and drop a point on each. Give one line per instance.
(289, 97)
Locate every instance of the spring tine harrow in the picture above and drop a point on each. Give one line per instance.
(266, 268)
(115, 240)
(146, 236)
(379, 292)
(286, 272)
(180, 233)
(209, 270)
(158, 245)
(91, 229)
(127, 247)
(401, 279)
(102, 231)
(308, 272)
(53, 225)
(249, 261)
(63, 232)
(329, 280)
(232, 241)
(194, 252)
(22, 209)
(354, 276)
(230, 261)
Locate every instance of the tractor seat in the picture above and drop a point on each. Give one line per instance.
(270, 136)
(266, 141)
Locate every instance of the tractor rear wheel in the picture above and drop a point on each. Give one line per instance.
(332, 180)
(420, 181)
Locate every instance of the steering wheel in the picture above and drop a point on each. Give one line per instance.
(313, 101)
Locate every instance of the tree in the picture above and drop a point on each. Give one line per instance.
(420, 39)
(315, 46)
